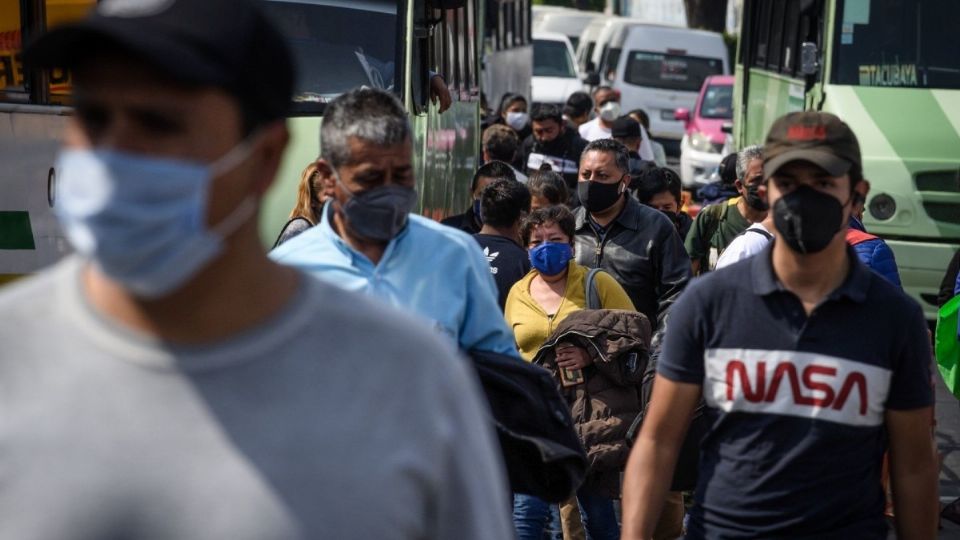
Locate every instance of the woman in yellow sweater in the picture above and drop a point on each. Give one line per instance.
(555, 288)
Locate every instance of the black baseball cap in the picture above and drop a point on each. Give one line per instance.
(229, 44)
(817, 137)
(624, 127)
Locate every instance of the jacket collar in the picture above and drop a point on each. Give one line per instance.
(628, 218)
(765, 282)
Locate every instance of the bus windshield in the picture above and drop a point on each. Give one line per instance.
(551, 59)
(903, 43)
(670, 71)
(338, 45)
(717, 102)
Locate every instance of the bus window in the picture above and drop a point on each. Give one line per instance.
(331, 56)
(670, 71)
(920, 50)
(61, 12)
(14, 81)
(12, 86)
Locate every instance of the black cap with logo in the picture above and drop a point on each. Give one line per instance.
(229, 44)
(818, 137)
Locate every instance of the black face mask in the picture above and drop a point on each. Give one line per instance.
(597, 197)
(808, 219)
(753, 198)
(673, 217)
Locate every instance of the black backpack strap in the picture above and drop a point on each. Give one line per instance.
(591, 292)
(761, 232)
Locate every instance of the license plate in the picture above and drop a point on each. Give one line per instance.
(667, 115)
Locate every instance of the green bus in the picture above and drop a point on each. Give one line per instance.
(891, 70)
(338, 45)
(397, 45)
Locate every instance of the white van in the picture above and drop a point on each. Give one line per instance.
(555, 74)
(662, 68)
(588, 41)
(570, 23)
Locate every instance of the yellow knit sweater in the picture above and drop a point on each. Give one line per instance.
(530, 323)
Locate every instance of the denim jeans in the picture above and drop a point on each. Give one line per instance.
(532, 515)
(599, 518)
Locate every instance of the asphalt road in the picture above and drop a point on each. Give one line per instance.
(948, 442)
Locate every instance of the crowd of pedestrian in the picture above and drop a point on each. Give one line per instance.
(170, 380)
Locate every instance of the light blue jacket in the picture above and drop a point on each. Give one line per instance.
(429, 269)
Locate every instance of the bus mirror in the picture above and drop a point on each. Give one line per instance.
(592, 79)
(809, 65)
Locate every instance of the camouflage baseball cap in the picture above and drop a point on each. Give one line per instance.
(818, 137)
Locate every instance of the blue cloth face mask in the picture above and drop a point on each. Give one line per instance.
(142, 220)
(551, 258)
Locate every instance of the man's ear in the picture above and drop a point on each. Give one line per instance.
(860, 192)
(738, 185)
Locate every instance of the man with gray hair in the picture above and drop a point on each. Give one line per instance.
(368, 241)
(718, 224)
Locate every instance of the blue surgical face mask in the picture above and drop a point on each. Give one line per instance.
(142, 220)
(551, 258)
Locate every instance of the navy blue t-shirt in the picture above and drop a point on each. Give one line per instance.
(795, 404)
(508, 262)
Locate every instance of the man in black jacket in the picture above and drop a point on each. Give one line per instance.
(636, 244)
(552, 143)
(469, 221)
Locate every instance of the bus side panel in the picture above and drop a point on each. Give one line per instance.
(507, 70)
(446, 147)
(30, 237)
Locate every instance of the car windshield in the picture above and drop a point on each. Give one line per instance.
(552, 59)
(906, 43)
(338, 45)
(717, 102)
(670, 71)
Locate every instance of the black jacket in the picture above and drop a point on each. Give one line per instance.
(643, 251)
(562, 152)
(466, 222)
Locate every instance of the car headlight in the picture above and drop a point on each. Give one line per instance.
(702, 143)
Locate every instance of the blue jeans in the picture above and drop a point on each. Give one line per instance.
(531, 516)
(599, 518)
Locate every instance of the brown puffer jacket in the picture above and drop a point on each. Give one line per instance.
(605, 404)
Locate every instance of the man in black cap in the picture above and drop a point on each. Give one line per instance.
(810, 364)
(626, 131)
(552, 145)
(170, 381)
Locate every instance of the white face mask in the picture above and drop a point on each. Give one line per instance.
(142, 220)
(610, 111)
(518, 120)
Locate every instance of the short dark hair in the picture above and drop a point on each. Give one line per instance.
(657, 180)
(561, 215)
(620, 153)
(504, 202)
(493, 169)
(501, 142)
(644, 117)
(578, 104)
(546, 111)
(548, 185)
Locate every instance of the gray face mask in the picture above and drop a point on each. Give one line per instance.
(380, 213)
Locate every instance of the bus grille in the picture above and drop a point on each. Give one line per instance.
(948, 181)
(945, 212)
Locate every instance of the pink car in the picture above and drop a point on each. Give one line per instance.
(701, 148)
